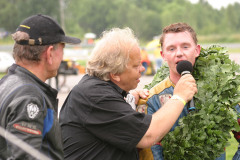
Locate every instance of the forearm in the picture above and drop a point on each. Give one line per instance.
(164, 118)
(20, 149)
(162, 122)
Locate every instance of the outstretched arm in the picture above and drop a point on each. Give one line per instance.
(165, 117)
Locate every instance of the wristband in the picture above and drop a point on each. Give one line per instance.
(178, 98)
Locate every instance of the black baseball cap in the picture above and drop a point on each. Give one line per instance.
(44, 30)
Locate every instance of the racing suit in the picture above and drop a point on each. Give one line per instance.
(158, 96)
(237, 136)
(28, 109)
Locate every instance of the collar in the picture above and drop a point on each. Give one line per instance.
(171, 81)
(120, 90)
(26, 73)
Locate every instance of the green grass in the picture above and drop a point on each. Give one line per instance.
(7, 40)
(234, 50)
(1, 75)
(82, 62)
(227, 38)
(232, 148)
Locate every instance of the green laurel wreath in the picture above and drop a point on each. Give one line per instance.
(204, 133)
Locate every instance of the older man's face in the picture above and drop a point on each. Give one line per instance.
(130, 78)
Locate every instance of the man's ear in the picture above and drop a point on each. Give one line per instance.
(162, 54)
(198, 50)
(115, 77)
(49, 54)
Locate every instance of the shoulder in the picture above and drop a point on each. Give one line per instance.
(91, 82)
(22, 94)
(164, 86)
(158, 95)
(27, 89)
(94, 86)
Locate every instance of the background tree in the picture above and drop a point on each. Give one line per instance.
(146, 18)
(12, 12)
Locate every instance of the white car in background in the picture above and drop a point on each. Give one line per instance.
(6, 60)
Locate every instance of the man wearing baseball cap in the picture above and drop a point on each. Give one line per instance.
(28, 106)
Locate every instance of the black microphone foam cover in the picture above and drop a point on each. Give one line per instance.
(184, 66)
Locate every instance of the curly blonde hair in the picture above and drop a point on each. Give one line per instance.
(111, 53)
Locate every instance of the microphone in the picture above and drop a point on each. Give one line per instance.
(185, 67)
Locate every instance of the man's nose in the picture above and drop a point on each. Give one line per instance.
(179, 52)
(141, 69)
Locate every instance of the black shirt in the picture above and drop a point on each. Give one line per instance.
(97, 123)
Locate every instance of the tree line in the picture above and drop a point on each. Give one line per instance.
(145, 17)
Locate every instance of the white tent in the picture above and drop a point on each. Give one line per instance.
(90, 36)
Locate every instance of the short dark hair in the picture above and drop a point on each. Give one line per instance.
(176, 28)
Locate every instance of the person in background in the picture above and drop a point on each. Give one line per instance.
(97, 122)
(28, 106)
(145, 60)
(178, 42)
(158, 57)
(57, 87)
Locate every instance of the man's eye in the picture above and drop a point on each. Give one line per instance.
(138, 66)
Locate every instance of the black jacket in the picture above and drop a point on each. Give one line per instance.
(28, 109)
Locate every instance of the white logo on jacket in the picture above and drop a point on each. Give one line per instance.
(32, 110)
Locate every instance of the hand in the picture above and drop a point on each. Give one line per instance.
(186, 87)
(139, 93)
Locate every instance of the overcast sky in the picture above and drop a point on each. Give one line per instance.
(218, 3)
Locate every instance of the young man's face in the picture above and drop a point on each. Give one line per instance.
(178, 47)
(129, 79)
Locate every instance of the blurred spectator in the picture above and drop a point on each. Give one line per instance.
(61, 70)
(158, 57)
(145, 60)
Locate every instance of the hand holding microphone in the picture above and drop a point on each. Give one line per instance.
(186, 86)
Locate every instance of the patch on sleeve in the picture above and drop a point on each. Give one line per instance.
(32, 110)
(26, 128)
(164, 98)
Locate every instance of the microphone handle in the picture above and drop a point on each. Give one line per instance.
(185, 72)
(191, 106)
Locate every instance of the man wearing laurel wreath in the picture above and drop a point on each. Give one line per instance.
(179, 43)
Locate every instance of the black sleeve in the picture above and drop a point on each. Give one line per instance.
(25, 119)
